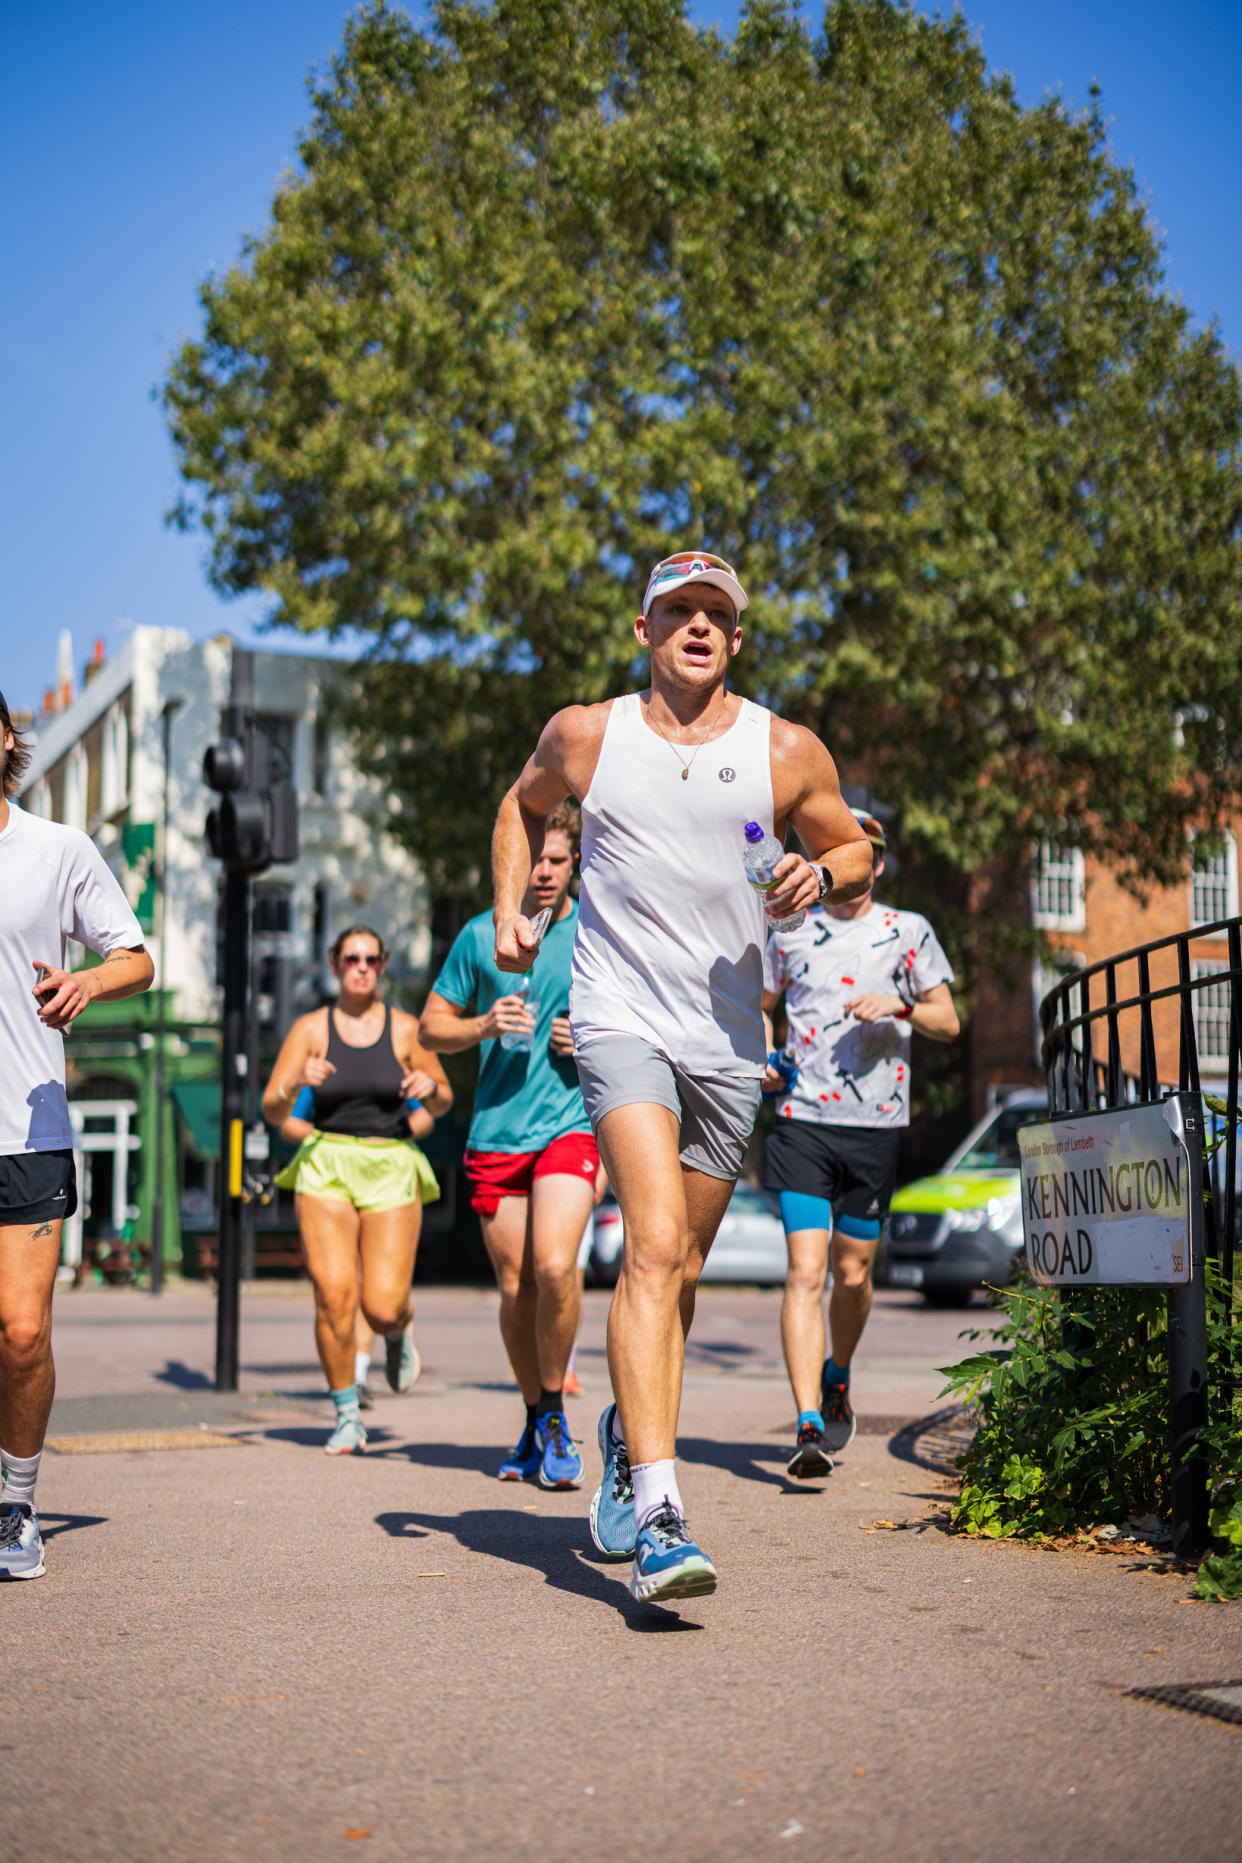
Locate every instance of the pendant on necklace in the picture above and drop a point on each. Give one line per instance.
(685, 775)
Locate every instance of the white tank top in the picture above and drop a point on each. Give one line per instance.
(670, 931)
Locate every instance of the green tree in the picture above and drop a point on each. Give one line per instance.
(561, 285)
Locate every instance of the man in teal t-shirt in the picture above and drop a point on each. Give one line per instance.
(531, 1159)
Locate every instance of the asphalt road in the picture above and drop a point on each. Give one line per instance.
(257, 1651)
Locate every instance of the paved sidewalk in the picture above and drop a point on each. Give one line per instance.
(257, 1651)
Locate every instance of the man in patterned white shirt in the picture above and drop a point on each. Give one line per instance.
(857, 977)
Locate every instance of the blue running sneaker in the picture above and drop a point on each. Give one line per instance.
(523, 1464)
(560, 1464)
(667, 1563)
(612, 1507)
(21, 1543)
(348, 1438)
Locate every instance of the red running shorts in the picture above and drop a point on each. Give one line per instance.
(496, 1174)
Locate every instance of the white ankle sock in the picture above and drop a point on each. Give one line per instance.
(654, 1483)
(362, 1365)
(20, 1475)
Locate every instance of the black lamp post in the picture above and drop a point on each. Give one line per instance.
(171, 708)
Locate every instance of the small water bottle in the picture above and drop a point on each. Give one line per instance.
(521, 1041)
(785, 1062)
(761, 853)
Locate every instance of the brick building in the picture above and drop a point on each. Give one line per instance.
(1087, 915)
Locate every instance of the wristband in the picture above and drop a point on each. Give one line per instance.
(904, 1013)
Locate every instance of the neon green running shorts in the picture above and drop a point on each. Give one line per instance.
(372, 1174)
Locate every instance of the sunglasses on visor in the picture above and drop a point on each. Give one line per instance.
(675, 566)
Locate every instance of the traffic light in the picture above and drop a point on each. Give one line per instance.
(256, 820)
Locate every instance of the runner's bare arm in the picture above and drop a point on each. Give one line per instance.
(62, 995)
(806, 795)
(562, 765)
(933, 1014)
(299, 1064)
(423, 1077)
(446, 1028)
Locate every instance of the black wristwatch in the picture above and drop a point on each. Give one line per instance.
(826, 882)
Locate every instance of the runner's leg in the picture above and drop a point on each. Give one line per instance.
(506, 1235)
(802, 1313)
(849, 1303)
(646, 1343)
(29, 1253)
(330, 1230)
(389, 1246)
(559, 1206)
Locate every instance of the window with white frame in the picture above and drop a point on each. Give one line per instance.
(1059, 889)
(1213, 879)
(1211, 1013)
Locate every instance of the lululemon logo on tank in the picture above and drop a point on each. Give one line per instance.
(726, 775)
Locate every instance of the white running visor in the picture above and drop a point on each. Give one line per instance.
(694, 566)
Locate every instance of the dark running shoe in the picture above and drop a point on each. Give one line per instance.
(838, 1415)
(810, 1459)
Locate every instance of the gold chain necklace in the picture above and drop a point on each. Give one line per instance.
(685, 767)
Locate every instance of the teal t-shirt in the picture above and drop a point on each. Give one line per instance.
(523, 1100)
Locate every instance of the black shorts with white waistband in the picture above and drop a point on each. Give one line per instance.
(37, 1187)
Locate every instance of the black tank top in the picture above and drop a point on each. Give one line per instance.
(363, 1098)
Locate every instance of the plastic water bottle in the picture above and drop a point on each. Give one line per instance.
(521, 1041)
(759, 857)
(785, 1062)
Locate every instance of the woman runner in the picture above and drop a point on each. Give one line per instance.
(360, 1179)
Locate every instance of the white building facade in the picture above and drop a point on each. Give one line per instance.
(98, 764)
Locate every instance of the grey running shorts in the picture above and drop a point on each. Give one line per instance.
(717, 1111)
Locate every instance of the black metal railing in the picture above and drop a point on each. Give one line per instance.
(1097, 1019)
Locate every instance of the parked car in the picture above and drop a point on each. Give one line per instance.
(749, 1245)
(962, 1227)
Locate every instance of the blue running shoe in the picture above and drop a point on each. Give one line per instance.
(667, 1563)
(523, 1464)
(560, 1465)
(612, 1507)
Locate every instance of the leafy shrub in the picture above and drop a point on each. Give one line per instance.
(1073, 1419)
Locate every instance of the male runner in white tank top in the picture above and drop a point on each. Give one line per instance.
(667, 986)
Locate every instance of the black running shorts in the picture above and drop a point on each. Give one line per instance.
(852, 1167)
(37, 1187)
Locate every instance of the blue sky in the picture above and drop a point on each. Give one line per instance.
(146, 139)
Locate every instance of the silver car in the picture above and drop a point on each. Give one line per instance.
(749, 1245)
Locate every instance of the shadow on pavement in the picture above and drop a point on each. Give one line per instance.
(551, 1545)
(316, 1438)
(467, 1456)
(50, 1525)
(746, 1461)
(934, 1442)
(183, 1376)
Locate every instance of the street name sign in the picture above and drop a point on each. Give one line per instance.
(1107, 1198)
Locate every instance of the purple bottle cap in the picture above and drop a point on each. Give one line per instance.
(753, 831)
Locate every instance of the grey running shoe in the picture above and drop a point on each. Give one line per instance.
(838, 1415)
(21, 1543)
(401, 1361)
(365, 1399)
(612, 1507)
(348, 1438)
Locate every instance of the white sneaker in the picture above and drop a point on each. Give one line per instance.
(21, 1543)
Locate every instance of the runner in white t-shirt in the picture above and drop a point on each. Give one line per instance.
(55, 886)
(667, 980)
(857, 977)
